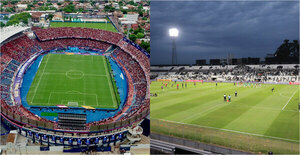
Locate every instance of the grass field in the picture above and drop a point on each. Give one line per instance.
(255, 112)
(102, 26)
(62, 78)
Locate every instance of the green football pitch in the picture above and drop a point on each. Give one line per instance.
(102, 26)
(255, 112)
(73, 79)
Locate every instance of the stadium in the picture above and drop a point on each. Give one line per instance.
(224, 77)
(188, 109)
(79, 89)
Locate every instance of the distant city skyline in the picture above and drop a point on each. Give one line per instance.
(212, 30)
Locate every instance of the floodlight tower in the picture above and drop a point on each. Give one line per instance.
(173, 32)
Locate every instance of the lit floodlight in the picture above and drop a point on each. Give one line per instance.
(173, 32)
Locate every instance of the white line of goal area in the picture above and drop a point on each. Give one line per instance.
(75, 92)
(289, 99)
(113, 97)
(241, 132)
(79, 101)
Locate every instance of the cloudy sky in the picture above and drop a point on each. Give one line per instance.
(214, 29)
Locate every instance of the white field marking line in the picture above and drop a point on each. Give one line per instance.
(97, 100)
(239, 104)
(201, 112)
(283, 95)
(109, 83)
(49, 98)
(75, 92)
(289, 99)
(247, 133)
(78, 102)
(75, 74)
(40, 79)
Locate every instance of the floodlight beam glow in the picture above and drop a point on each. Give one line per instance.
(173, 32)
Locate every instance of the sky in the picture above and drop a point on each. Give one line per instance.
(210, 30)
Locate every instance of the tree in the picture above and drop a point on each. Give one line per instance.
(109, 8)
(120, 3)
(43, 8)
(9, 10)
(5, 18)
(93, 3)
(14, 2)
(295, 49)
(141, 13)
(287, 50)
(139, 30)
(140, 35)
(50, 16)
(131, 2)
(52, 8)
(17, 18)
(145, 45)
(28, 8)
(4, 2)
(69, 8)
(136, 31)
(2, 24)
(124, 11)
(132, 37)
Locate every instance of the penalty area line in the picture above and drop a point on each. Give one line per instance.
(289, 99)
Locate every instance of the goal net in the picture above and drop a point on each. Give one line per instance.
(73, 104)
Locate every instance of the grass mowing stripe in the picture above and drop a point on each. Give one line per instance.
(213, 107)
(259, 107)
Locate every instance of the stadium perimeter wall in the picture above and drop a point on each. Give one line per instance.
(191, 145)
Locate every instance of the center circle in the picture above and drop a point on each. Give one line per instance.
(74, 74)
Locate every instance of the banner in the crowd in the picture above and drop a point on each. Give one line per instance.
(178, 80)
(193, 80)
(163, 80)
(295, 83)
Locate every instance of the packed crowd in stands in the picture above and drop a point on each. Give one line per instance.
(70, 32)
(139, 78)
(133, 62)
(142, 58)
(20, 49)
(236, 73)
(64, 43)
(138, 87)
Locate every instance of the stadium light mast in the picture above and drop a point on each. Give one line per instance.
(173, 32)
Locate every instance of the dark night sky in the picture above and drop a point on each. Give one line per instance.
(214, 29)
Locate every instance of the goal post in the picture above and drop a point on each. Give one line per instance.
(73, 104)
